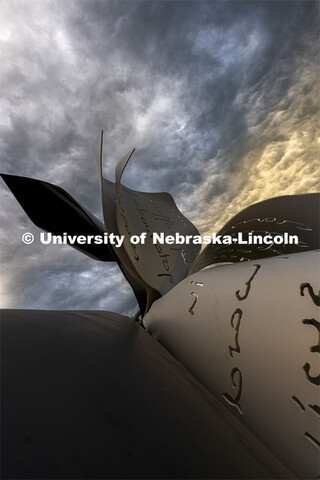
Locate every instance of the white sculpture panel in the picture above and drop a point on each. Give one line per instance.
(250, 332)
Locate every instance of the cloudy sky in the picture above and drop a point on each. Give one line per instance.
(219, 98)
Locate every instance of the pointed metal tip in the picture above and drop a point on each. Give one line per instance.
(6, 176)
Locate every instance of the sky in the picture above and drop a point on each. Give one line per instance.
(219, 98)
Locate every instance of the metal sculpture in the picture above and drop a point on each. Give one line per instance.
(151, 269)
(248, 331)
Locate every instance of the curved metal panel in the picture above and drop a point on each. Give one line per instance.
(161, 266)
(294, 214)
(249, 332)
(151, 269)
(108, 200)
(90, 394)
(52, 209)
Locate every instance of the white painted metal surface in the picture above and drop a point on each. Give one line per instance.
(250, 333)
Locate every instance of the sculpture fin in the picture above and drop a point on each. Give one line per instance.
(52, 209)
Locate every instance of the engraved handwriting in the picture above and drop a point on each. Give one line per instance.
(294, 398)
(300, 226)
(316, 348)
(315, 380)
(157, 215)
(235, 401)
(165, 262)
(166, 275)
(191, 311)
(311, 439)
(237, 347)
(315, 298)
(194, 294)
(183, 255)
(315, 409)
(306, 367)
(248, 284)
(316, 324)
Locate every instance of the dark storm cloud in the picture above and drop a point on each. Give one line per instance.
(214, 95)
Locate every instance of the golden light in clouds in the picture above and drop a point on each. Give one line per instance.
(282, 159)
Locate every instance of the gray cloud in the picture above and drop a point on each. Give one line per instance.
(219, 98)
